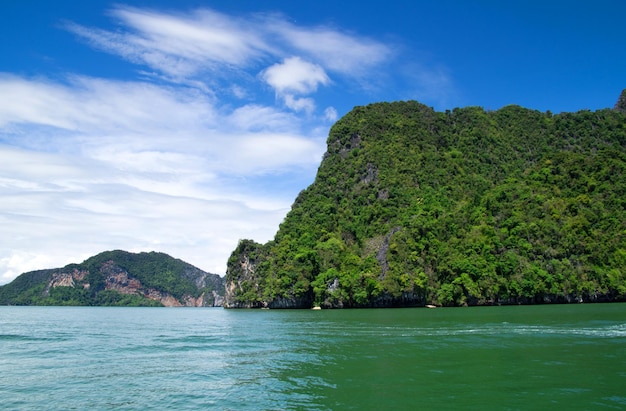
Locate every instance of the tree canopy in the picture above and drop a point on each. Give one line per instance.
(411, 207)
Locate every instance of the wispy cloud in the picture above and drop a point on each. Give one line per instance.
(102, 106)
(210, 147)
(336, 50)
(178, 45)
(184, 46)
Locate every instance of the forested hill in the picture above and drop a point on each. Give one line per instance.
(464, 207)
(118, 278)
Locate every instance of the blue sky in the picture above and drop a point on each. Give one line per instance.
(184, 126)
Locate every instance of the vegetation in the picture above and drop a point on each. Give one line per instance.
(114, 278)
(412, 207)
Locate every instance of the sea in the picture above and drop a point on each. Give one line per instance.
(541, 357)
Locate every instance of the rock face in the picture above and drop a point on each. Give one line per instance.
(67, 279)
(240, 280)
(119, 278)
(242, 284)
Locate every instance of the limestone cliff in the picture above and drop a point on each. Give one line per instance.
(118, 278)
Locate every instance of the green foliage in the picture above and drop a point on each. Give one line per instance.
(26, 289)
(148, 271)
(412, 206)
(113, 298)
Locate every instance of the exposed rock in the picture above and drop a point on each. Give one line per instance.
(153, 276)
(120, 282)
(371, 175)
(216, 301)
(343, 150)
(66, 279)
(62, 280)
(238, 279)
(381, 255)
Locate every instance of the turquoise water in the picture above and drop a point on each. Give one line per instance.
(482, 358)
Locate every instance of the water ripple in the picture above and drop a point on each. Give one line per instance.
(192, 359)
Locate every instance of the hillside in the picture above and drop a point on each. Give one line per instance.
(464, 207)
(118, 278)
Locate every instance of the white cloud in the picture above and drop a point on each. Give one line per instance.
(209, 50)
(295, 75)
(52, 230)
(261, 149)
(102, 106)
(18, 262)
(58, 209)
(330, 114)
(187, 45)
(179, 45)
(334, 49)
(100, 164)
(253, 117)
(299, 103)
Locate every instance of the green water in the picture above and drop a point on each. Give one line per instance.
(487, 358)
(567, 357)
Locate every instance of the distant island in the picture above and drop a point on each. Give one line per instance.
(118, 278)
(410, 207)
(413, 207)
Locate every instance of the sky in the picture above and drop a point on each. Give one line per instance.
(185, 126)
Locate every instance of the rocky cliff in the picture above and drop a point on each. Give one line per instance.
(118, 278)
